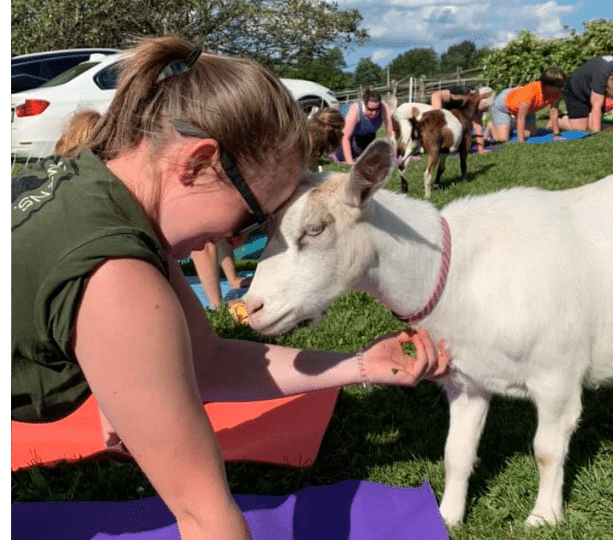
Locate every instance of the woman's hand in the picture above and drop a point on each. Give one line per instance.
(385, 362)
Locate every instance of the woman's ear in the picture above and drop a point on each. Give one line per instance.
(199, 155)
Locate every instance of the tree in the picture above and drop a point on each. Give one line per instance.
(326, 70)
(367, 74)
(464, 55)
(270, 31)
(416, 62)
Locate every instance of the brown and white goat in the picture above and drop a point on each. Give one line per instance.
(437, 132)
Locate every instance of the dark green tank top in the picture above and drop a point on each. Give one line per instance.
(68, 216)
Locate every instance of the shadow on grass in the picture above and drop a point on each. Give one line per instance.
(472, 174)
(384, 427)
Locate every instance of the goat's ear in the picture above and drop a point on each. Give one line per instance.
(370, 172)
(414, 112)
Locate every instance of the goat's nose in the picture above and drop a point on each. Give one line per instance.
(253, 304)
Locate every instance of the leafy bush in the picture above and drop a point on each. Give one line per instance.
(524, 59)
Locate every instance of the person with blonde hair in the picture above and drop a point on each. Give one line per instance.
(77, 132)
(193, 148)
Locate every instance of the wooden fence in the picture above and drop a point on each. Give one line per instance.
(418, 88)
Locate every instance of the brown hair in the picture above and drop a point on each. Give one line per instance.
(371, 95)
(78, 130)
(553, 76)
(236, 101)
(325, 130)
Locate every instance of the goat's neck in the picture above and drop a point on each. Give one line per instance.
(407, 240)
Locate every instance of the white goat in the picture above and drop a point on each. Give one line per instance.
(526, 308)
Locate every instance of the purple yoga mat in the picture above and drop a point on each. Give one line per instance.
(349, 510)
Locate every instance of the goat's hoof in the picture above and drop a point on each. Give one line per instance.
(534, 520)
(451, 519)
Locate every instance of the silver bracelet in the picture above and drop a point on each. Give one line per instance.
(365, 382)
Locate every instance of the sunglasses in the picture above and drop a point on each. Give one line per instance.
(260, 219)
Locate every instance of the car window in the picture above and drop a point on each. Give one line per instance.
(25, 81)
(106, 78)
(56, 66)
(70, 74)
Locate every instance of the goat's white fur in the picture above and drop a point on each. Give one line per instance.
(527, 310)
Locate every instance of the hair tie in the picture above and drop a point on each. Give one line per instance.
(178, 67)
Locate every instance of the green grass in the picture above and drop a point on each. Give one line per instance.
(396, 436)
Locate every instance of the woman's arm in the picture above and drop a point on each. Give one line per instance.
(439, 97)
(238, 370)
(351, 121)
(133, 344)
(521, 122)
(244, 370)
(478, 131)
(595, 118)
(554, 118)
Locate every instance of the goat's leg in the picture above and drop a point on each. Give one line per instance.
(441, 169)
(404, 184)
(464, 149)
(558, 414)
(433, 159)
(467, 414)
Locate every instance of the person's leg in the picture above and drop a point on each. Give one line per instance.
(578, 112)
(563, 123)
(225, 259)
(499, 129)
(207, 269)
(580, 124)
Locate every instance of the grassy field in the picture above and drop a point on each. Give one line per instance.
(396, 436)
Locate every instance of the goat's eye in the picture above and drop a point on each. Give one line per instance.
(314, 230)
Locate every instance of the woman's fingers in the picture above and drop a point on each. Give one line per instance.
(444, 356)
(425, 351)
(432, 363)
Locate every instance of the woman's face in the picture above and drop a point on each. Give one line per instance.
(211, 208)
(372, 109)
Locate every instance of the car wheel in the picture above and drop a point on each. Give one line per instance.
(311, 104)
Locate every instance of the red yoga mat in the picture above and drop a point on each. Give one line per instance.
(284, 431)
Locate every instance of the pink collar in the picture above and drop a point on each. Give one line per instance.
(440, 284)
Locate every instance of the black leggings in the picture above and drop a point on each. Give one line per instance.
(576, 107)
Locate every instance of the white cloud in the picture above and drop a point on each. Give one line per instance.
(381, 54)
(400, 25)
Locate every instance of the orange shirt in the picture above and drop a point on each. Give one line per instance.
(532, 94)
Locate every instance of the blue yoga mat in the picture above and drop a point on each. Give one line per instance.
(349, 510)
(545, 136)
(252, 248)
(227, 292)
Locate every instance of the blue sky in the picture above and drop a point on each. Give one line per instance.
(396, 26)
